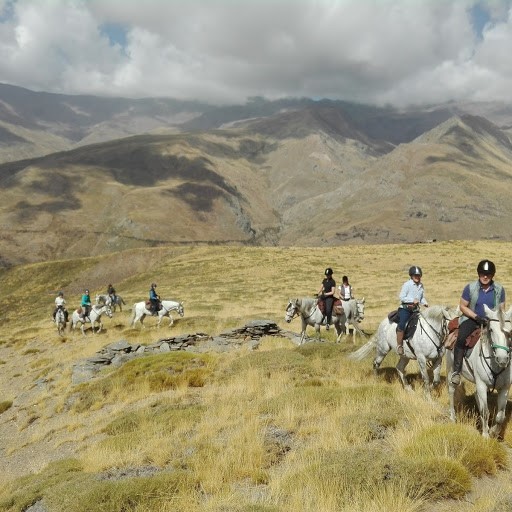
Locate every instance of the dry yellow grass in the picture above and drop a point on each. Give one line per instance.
(256, 432)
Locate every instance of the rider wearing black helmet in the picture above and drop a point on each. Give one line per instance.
(154, 299)
(411, 296)
(326, 293)
(475, 294)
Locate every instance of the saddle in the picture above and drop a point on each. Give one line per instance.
(453, 332)
(337, 307)
(149, 306)
(410, 326)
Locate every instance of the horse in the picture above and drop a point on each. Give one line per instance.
(426, 344)
(310, 314)
(354, 310)
(140, 312)
(94, 316)
(60, 320)
(488, 366)
(114, 303)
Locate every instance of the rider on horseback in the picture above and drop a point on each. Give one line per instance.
(86, 304)
(411, 296)
(326, 293)
(154, 298)
(483, 291)
(111, 292)
(60, 302)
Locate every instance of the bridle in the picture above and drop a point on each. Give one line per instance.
(494, 347)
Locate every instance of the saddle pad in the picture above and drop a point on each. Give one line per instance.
(338, 307)
(393, 316)
(473, 338)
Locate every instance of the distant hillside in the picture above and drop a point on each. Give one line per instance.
(259, 184)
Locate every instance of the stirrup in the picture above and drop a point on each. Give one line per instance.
(400, 350)
(455, 378)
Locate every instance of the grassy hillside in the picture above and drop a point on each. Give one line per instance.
(281, 428)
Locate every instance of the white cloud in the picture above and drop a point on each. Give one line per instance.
(374, 51)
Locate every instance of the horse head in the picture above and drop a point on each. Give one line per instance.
(292, 310)
(359, 310)
(499, 329)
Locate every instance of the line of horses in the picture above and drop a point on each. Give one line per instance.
(487, 364)
(106, 305)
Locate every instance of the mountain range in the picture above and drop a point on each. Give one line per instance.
(83, 175)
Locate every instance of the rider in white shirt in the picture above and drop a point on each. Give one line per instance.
(60, 302)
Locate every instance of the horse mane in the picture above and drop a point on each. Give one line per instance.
(434, 312)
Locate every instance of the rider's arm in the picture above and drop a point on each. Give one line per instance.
(465, 309)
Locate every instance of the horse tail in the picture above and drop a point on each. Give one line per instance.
(362, 352)
(122, 300)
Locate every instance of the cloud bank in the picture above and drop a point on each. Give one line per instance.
(397, 52)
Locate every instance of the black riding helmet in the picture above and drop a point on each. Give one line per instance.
(415, 271)
(153, 285)
(328, 271)
(486, 267)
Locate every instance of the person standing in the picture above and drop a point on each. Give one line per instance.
(345, 289)
(475, 294)
(412, 295)
(326, 293)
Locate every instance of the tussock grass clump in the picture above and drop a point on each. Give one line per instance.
(5, 405)
(274, 362)
(64, 487)
(461, 443)
(169, 415)
(148, 374)
(24, 491)
(337, 477)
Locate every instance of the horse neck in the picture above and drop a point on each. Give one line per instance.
(307, 306)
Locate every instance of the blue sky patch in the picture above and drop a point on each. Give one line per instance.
(116, 33)
(479, 18)
(7, 13)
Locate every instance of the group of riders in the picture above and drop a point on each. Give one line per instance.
(475, 295)
(328, 294)
(153, 305)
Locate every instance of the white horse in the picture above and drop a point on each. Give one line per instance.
(94, 316)
(425, 345)
(116, 302)
(60, 320)
(488, 366)
(310, 314)
(354, 310)
(140, 311)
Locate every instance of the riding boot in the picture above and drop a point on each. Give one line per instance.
(458, 359)
(400, 343)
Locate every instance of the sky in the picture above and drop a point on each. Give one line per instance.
(381, 52)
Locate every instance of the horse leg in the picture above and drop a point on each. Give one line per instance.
(500, 416)
(481, 399)
(436, 370)
(171, 320)
(400, 368)
(422, 363)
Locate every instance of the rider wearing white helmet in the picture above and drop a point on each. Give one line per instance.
(411, 296)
